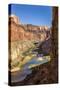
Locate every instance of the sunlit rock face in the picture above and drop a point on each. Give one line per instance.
(19, 31)
(16, 33)
(15, 29)
(14, 18)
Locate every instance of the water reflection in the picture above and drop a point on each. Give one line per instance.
(27, 68)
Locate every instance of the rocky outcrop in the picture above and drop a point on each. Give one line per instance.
(55, 33)
(18, 31)
(14, 18)
(46, 46)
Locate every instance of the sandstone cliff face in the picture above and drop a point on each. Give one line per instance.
(14, 18)
(26, 32)
(15, 31)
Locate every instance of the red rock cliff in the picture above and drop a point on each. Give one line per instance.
(17, 31)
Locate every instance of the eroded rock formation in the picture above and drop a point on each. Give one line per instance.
(19, 31)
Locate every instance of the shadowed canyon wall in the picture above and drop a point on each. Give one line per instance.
(55, 33)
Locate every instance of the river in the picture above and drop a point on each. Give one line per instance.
(27, 68)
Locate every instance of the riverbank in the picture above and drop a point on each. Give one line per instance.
(33, 62)
(43, 74)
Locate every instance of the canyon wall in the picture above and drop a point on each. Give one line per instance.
(18, 31)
